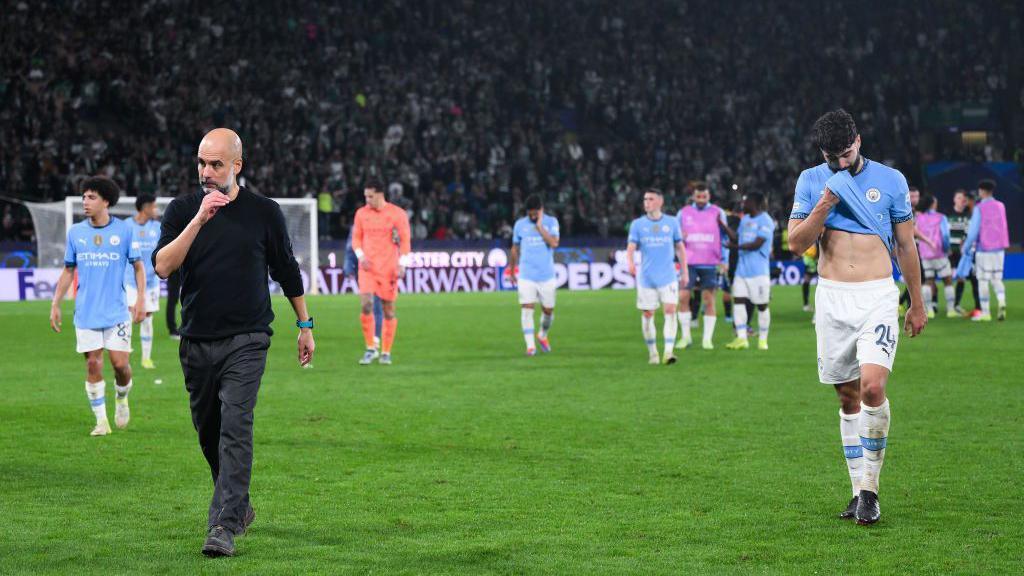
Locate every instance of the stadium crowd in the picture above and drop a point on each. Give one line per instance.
(466, 108)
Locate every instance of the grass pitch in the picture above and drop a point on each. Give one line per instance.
(465, 457)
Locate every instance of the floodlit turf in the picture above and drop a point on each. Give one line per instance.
(466, 457)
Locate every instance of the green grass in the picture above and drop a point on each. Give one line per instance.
(465, 457)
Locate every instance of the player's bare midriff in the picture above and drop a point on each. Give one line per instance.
(849, 257)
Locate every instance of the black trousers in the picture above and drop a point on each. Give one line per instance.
(173, 292)
(222, 378)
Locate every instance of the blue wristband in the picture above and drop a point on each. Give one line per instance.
(306, 324)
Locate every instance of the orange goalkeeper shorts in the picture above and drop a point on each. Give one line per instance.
(384, 286)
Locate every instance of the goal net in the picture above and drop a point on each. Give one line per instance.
(52, 220)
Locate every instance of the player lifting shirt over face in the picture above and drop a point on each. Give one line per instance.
(860, 213)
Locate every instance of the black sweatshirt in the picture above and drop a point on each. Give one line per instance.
(224, 288)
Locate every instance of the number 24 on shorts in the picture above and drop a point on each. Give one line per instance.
(886, 341)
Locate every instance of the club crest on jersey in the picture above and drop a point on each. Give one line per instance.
(97, 240)
(664, 229)
(873, 195)
(115, 240)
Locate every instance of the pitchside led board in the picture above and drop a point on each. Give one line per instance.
(449, 270)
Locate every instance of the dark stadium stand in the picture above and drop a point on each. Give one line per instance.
(467, 107)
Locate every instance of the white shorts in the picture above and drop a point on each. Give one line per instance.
(117, 338)
(936, 268)
(757, 289)
(989, 265)
(857, 323)
(531, 292)
(151, 298)
(650, 298)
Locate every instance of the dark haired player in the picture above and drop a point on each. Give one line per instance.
(101, 249)
(752, 283)
(145, 229)
(381, 240)
(860, 212)
(988, 237)
(532, 270)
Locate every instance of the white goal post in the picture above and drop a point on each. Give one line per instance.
(52, 221)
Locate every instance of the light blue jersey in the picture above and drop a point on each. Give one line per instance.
(656, 240)
(536, 258)
(753, 263)
(101, 256)
(883, 199)
(144, 239)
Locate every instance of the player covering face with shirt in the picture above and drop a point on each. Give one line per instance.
(860, 212)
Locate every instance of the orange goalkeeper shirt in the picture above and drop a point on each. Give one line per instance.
(383, 235)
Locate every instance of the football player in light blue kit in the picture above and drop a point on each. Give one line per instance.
(659, 240)
(534, 239)
(145, 229)
(861, 212)
(101, 248)
(753, 281)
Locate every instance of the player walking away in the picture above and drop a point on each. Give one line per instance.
(701, 224)
(959, 221)
(934, 260)
(753, 280)
(987, 238)
(145, 230)
(534, 239)
(659, 239)
(381, 241)
(352, 270)
(860, 211)
(101, 249)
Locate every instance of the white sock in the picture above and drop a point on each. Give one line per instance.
(874, 431)
(545, 323)
(526, 319)
(709, 328)
(146, 337)
(764, 320)
(849, 429)
(684, 321)
(950, 292)
(983, 296)
(1000, 292)
(122, 391)
(650, 334)
(739, 316)
(96, 392)
(926, 295)
(669, 332)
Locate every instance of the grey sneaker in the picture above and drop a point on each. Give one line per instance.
(385, 359)
(219, 542)
(368, 357)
